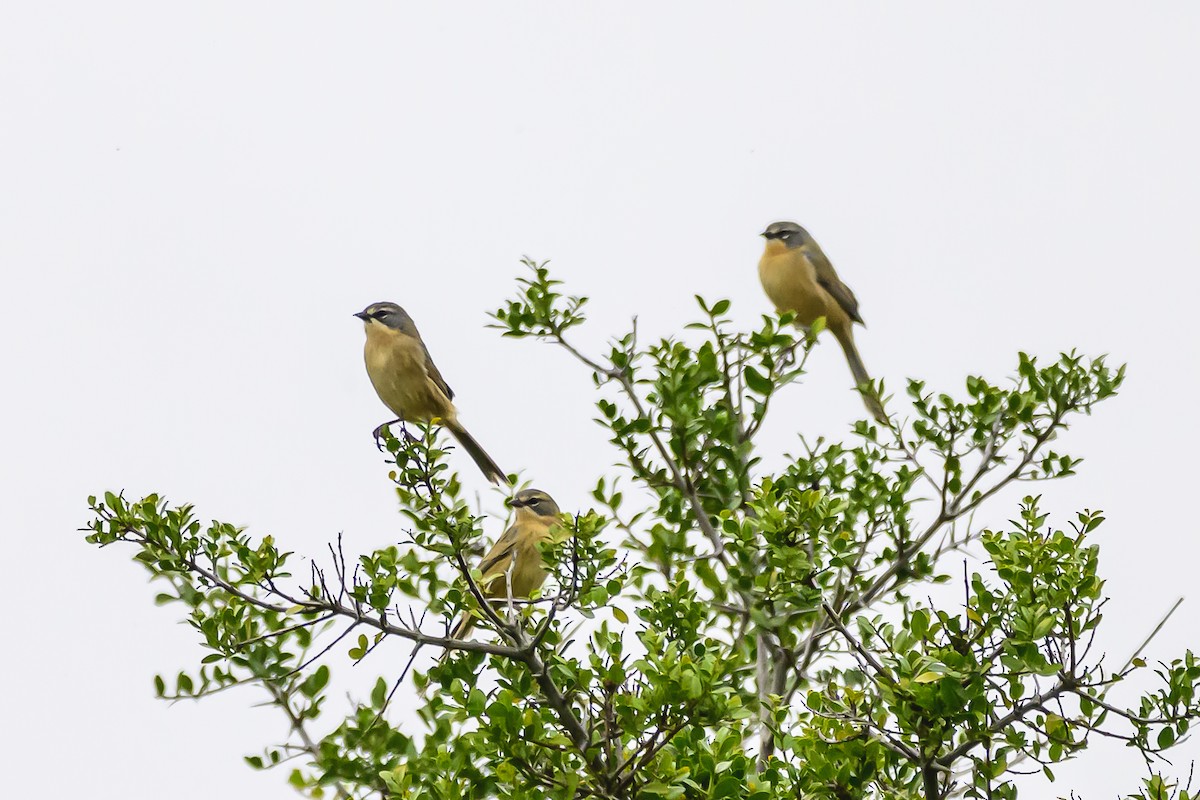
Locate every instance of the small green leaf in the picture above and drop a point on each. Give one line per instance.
(756, 381)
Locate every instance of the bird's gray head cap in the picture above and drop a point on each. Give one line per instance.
(389, 314)
(536, 501)
(789, 233)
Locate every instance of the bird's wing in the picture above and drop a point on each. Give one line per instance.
(828, 278)
(496, 560)
(434, 375)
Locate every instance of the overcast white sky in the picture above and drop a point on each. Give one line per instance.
(195, 198)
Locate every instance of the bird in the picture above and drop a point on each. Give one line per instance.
(798, 277)
(515, 556)
(409, 383)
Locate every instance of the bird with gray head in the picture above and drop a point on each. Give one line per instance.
(409, 383)
(514, 566)
(798, 277)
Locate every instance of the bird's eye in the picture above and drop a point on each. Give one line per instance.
(378, 314)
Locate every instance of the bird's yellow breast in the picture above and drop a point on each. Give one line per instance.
(775, 247)
(530, 571)
(525, 564)
(790, 281)
(396, 365)
(386, 347)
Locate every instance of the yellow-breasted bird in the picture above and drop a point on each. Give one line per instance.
(408, 382)
(515, 555)
(798, 277)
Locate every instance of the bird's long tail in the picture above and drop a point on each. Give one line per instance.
(862, 379)
(464, 627)
(490, 469)
(461, 630)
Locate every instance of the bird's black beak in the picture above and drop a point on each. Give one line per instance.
(515, 503)
(363, 316)
(765, 234)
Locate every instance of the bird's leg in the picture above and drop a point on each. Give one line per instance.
(789, 358)
(378, 432)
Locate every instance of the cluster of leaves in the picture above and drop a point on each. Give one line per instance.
(715, 632)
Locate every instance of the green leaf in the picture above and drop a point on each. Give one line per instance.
(1166, 738)
(728, 786)
(918, 623)
(475, 702)
(756, 381)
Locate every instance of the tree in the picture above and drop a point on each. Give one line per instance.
(712, 631)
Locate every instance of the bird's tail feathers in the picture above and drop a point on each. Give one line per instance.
(490, 469)
(462, 629)
(862, 380)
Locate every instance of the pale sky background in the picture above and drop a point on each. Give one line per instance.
(194, 199)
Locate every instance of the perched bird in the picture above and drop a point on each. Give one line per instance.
(408, 382)
(515, 555)
(798, 277)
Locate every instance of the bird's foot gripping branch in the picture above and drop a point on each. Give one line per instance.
(724, 629)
